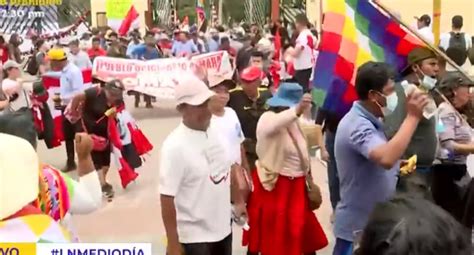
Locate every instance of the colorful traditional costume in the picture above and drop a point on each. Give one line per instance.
(20, 221)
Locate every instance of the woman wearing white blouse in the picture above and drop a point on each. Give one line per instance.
(280, 218)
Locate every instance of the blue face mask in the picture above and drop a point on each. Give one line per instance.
(440, 128)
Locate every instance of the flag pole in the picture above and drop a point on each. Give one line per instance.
(428, 44)
(436, 20)
(435, 49)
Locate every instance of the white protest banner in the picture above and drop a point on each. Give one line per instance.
(154, 77)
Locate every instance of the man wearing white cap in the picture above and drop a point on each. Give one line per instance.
(195, 178)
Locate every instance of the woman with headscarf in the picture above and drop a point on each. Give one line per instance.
(280, 207)
(450, 176)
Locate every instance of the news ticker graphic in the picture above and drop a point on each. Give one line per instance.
(75, 249)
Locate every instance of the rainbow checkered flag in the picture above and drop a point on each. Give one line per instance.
(354, 32)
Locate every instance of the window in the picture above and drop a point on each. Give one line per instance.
(101, 19)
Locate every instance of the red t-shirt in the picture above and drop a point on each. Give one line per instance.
(3, 53)
(96, 52)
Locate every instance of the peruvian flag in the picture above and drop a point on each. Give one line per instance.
(130, 21)
(141, 144)
(51, 82)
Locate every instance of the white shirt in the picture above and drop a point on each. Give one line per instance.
(81, 60)
(306, 59)
(195, 170)
(427, 34)
(231, 131)
(23, 99)
(444, 43)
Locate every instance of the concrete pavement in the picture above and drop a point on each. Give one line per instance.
(135, 215)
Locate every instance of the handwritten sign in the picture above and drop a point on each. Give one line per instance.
(117, 9)
(154, 77)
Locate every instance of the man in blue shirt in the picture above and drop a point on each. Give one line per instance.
(146, 51)
(213, 41)
(368, 163)
(71, 84)
(183, 47)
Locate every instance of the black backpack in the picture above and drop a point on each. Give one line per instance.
(33, 66)
(457, 49)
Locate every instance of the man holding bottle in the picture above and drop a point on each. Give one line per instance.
(420, 74)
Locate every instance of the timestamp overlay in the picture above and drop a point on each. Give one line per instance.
(25, 9)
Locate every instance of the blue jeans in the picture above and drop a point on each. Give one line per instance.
(333, 178)
(342, 247)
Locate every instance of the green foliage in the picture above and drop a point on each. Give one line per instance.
(234, 9)
(186, 8)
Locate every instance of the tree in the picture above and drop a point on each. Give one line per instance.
(70, 10)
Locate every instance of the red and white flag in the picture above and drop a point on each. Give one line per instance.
(51, 82)
(130, 21)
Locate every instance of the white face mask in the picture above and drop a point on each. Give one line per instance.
(392, 102)
(428, 82)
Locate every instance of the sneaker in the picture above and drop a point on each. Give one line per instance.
(108, 191)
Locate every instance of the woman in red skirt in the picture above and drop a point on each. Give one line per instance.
(280, 219)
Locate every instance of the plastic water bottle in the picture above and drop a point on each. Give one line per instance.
(241, 221)
(431, 109)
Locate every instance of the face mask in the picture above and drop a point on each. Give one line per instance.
(392, 102)
(428, 82)
(440, 128)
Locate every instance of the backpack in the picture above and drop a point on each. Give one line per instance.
(457, 49)
(33, 65)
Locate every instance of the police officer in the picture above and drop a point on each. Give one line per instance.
(249, 102)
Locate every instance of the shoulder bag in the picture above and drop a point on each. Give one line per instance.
(313, 191)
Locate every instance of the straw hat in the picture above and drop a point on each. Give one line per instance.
(19, 174)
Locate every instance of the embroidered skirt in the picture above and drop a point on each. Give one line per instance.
(280, 220)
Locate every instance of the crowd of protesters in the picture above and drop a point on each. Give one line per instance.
(241, 154)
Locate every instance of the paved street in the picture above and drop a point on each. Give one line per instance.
(135, 215)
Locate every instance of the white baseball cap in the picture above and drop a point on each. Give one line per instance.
(216, 79)
(191, 90)
(9, 64)
(19, 174)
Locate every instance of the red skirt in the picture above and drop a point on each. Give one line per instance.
(280, 221)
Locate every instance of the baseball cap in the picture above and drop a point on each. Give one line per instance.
(425, 18)
(418, 54)
(191, 90)
(57, 54)
(251, 73)
(19, 174)
(10, 64)
(454, 80)
(221, 79)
